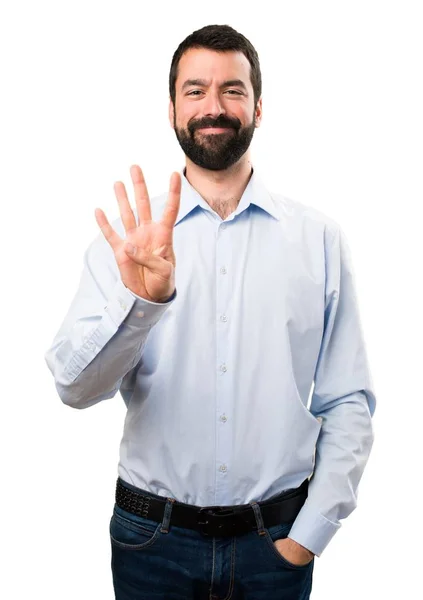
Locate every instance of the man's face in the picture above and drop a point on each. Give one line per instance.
(214, 116)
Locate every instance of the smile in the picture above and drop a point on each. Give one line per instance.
(212, 130)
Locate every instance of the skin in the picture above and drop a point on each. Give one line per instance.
(222, 190)
(148, 268)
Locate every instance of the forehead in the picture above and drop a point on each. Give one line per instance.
(201, 63)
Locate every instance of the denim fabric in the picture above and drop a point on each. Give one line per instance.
(149, 563)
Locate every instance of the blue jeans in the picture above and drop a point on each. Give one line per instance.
(159, 561)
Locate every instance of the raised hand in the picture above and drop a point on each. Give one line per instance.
(146, 259)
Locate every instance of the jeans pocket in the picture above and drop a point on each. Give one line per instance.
(280, 532)
(132, 532)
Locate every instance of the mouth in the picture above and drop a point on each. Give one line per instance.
(213, 130)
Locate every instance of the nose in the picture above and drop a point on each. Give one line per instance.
(213, 105)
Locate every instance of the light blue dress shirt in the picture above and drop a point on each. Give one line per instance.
(252, 378)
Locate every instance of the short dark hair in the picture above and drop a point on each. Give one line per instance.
(221, 38)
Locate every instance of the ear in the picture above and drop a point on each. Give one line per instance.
(171, 112)
(259, 112)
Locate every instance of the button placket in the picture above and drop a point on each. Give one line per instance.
(223, 365)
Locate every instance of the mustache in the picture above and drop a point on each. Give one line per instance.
(221, 121)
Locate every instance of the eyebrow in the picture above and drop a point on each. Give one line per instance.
(203, 83)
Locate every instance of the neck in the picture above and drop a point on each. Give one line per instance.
(222, 190)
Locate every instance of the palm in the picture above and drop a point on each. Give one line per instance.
(150, 273)
(149, 237)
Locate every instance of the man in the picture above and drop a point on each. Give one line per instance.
(216, 312)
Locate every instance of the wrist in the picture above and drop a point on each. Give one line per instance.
(302, 548)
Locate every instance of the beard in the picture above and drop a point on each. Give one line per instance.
(215, 151)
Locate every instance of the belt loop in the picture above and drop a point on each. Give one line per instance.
(259, 517)
(167, 514)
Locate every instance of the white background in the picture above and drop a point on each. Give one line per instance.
(84, 96)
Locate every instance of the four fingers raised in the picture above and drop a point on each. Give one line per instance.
(142, 200)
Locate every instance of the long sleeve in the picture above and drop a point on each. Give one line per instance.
(343, 397)
(103, 334)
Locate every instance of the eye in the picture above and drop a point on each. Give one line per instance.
(234, 92)
(194, 92)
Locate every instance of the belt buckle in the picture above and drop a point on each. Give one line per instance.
(203, 522)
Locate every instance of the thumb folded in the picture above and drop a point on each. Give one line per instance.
(130, 249)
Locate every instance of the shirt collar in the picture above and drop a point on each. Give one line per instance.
(255, 193)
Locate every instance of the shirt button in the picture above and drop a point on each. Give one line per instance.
(223, 318)
(224, 418)
(223, 468)
(223, 368)
(223, 270)
(222, 227)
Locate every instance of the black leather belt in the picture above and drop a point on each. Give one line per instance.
(213, 520)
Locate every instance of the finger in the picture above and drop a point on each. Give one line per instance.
(142, 199)
(126, 212)
(171, 209)
(153, 262)
(109, 233)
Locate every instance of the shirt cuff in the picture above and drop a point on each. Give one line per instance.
(125, 305)
(312, 530)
